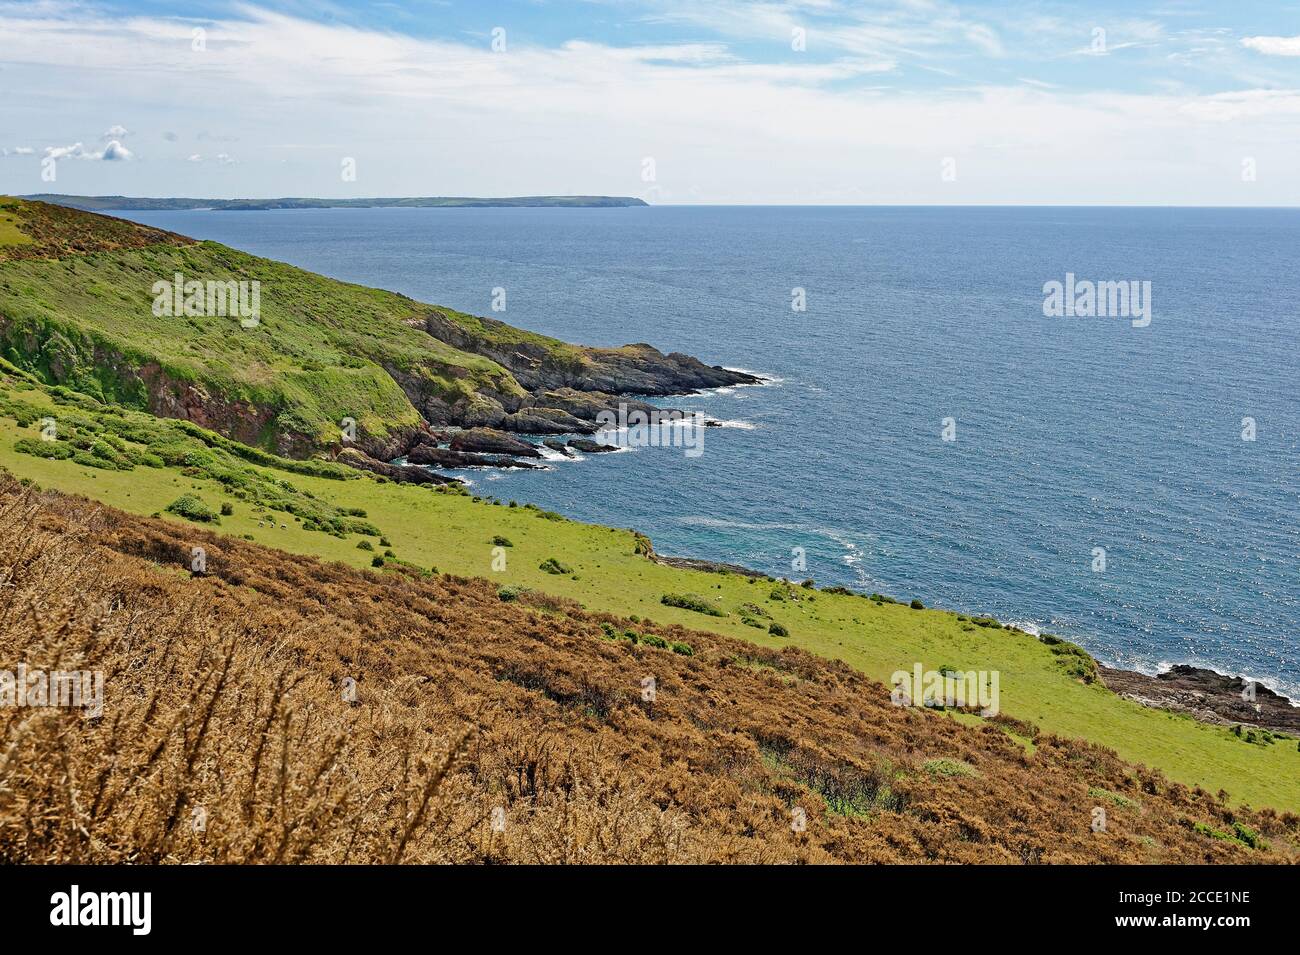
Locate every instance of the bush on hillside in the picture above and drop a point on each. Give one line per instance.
(192, 508)
(692, 602)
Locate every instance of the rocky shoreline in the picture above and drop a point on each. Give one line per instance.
(1208, 696)
(1200, 693)
(563, 402)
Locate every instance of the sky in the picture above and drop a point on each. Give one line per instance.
(674, 101)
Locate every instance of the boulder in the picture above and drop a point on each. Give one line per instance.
(590, 447)
(401, 473)
(436, 457)
(491, 441)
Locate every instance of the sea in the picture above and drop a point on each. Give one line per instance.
(928, 428)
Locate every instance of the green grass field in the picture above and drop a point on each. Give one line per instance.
(455, 534)
(10, 234)
(318, 354)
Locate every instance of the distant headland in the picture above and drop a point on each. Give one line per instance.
(146, 204)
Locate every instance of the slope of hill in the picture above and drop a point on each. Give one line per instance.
(272, 708)
(195, 478)
(278, 357)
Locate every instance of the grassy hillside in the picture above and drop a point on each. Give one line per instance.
(155, 321)
(320, 351)
(274, 708)
(38, 230)
(608, 572)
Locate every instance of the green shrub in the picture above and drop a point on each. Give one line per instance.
(1248, 835)
(1122, 801)
(1241, 834)
(500, 541)
(227, 509)
(684, 649)
(193, 509)
(950, 767)
(58, 450)
(692, 602)
(1077, 662)
(553, 566)
(917, 605)
(377, 561)
(652, 640)
(365, 545)
(777, 630)
(507, 594)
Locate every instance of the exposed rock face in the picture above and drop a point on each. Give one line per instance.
(545, 421)
(489, 441)
(444, 458)
(645, 370)
(486, 407)
(557, 445)
(590, 447)
(587, 405)
(1206, 695)
(639, 369)
(712, 566)
(404, 474)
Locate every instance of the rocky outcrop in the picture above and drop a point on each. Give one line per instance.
(710, 566)
(644, 370)
(490, 441)
(431, 456)
(545, 421)
(543, 364)
(587, 406)
(557, 445)
(590, 447)
(401, 473)
(1206, 695)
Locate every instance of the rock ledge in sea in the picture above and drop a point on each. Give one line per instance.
(1210, 697)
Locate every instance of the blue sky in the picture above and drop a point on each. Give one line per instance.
(729, 101)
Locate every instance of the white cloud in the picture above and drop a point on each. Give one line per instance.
(115, 132)
(112, 152)
(430, 116)
(1273, 45)
(195, 158)
(1245, 104)
(6, 152)
(116, 152)
(75, 151)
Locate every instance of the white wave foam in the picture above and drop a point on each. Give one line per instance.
(767, 376)
(550, 454)
(1028, 626)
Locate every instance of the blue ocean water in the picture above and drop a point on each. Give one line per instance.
(1071, 433)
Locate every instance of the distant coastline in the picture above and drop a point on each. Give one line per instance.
(146, 204)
